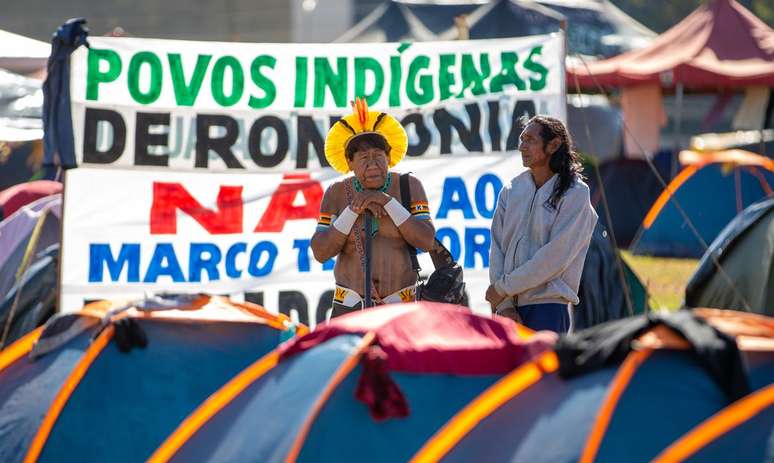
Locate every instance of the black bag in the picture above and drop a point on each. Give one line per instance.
(446, 283)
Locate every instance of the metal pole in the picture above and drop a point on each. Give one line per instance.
(367, 270)
(677, 127)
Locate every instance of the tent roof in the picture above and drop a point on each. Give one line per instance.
(720, 44)
(433, 338)
(22, 54)
(426, 20)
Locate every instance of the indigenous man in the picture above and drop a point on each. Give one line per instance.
(369, 144)
(541, 231)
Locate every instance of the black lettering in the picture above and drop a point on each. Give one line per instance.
(260, 158)
(494, 124)
(289, 301)
(144, 139)
(323, 305)
(254, 297)
(470, 138)
(308, 133)
(91, 155)
(422, 132)
(221, 145)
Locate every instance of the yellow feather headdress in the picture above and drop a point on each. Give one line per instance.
(360, 122)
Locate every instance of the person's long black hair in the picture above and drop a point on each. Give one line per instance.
(564, 161)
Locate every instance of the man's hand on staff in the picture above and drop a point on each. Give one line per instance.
(493, 297)
(370, 200)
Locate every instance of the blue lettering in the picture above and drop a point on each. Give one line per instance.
(451, 240)
(164, 262)
(203, 256)
(483, 182)
(128, 256)
(329, 264)
(303, 254)
(455, 196)
(231, 269)
(263, 247)
(474, 245)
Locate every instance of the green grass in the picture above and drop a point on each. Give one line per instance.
(664, 278)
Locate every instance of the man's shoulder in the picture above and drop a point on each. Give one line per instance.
(519, 180)
(579, 186)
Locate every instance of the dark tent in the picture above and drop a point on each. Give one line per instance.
(32, 300)
(595, 28)
(630, 187)
(390, 22)
(711, 189)
(599, 28)
(507, 18)
(110, 382)
(23, 235)
(602, 295)
(745, 250)
(405, 20)
(628, 408)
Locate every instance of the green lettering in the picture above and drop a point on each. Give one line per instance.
(186, 93)
(425, 81)
(94, 76)
(445, 77)
(537, 68)
(263, 82)
(301, 77)
(237, 81)
(362, 67)
(336, 82)
(395, 76)
(471, 78)
(154, 87)
(507, 75)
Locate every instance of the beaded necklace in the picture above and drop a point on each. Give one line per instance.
(383, 189)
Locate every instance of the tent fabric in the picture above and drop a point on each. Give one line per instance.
(135, 399)
(389, 22)
(731, 180)
(22, 54)
(595, 28)
(57, 121)
(740, 432)
(17, 196)
(433, 338)
(601, 292)
(13, 230)
(27, 389)
(134, 387)
(507, 18)
(745, 250)
(535, 415)
(287, 394)
(310, 392)
(598, 28)
(720, 44)
(44, 233)
(32, 300)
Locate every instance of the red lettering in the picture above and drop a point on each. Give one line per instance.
(169, 197)
(281, 208)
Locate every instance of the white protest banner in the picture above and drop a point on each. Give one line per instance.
(252, 107)
(128, 233)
